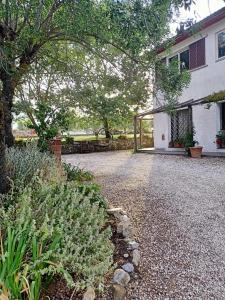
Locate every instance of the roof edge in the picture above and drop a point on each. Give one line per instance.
(199, 26)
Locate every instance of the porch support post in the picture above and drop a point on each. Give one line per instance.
(140, 132)
(135, 134)
(190, 125)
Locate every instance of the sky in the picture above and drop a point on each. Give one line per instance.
(200, 10)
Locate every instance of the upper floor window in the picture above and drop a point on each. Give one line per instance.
(221, 44)
(191, 58)
(182, 59)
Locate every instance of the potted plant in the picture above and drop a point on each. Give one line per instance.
(191, 145)
(179, 143)
(220, 139)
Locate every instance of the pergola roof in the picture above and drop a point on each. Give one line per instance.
(177, 106)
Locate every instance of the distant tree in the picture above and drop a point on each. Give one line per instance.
(111, 93)
(43, 99)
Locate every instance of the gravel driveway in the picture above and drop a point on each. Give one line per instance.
(177, 206)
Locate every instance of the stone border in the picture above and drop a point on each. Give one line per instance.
(122, 275)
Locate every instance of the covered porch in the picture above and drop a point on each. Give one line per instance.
(168, 132)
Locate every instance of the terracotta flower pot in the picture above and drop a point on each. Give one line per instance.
(56, 148)
(196, 152)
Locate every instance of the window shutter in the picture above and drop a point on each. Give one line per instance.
(197, 54)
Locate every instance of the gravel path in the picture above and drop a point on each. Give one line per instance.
(177, 206)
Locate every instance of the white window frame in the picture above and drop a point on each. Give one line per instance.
(217, 46)
(177, 54)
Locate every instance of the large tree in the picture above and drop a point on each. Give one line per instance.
(110, 93)
(28, 26)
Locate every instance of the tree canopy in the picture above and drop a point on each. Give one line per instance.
(27, 28)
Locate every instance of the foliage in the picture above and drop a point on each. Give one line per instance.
(25, 163)
(68, 226)
(74, 173)
(110, 93)
(23, 261)
(221, 133)
(43, 100)
(95, 190)
(216, 97)
(31, 30)
(188, 139)
(50, 226)
(171, 82)
(122, 137)
(49, 120)
(68, 140)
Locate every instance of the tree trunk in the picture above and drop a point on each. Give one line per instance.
(106, 128)
(8, 91)
(6, 136)
(4, 182)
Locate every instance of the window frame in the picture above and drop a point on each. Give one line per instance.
(178, 55)
(217, 45)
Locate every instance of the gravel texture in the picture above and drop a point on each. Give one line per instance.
(177, 206)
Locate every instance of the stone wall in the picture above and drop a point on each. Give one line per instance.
(104, 145)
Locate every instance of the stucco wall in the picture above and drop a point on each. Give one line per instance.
(204, 81)
(161, 128)
(207, 124)
(207, 79)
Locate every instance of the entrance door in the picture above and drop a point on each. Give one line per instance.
(180, 125)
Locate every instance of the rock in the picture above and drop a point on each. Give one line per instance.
(116, 212)
(128, 267)
(89, 294)
(126, 255)
(133, 245)
(119, 228)
(121, 277)
(119, 292)
(124, 227)
(127, 231)
(124, 219)
(136, 257)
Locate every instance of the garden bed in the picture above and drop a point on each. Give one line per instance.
(54, 229)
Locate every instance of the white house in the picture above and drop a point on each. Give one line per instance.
(203, 53)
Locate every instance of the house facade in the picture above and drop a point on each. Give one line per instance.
(202, 52)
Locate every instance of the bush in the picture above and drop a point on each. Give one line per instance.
(74, 173)
(94, 189)
(51, 226)
(122, 137)
(68, 140)
(67, 225)
(25, 163)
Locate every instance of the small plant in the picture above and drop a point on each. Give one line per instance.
(68, 140)
(189, 139)
(220, 139)
(74, 173)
